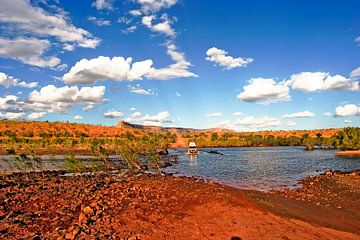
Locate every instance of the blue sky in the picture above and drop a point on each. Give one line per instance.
(243, 65)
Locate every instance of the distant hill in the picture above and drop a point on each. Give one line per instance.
(176, 130)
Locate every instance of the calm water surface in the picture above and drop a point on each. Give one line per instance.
(260, 168)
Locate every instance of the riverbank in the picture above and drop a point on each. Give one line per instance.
(165, 207)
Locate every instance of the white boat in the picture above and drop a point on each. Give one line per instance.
(192, 148)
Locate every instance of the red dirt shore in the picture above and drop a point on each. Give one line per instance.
(113, 206)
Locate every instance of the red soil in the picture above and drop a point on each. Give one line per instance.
(148, 207)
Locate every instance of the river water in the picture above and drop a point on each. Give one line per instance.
(262, 168)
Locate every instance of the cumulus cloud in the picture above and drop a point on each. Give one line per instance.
(250, 123)
(237, 113)
(220, 58)
(113, 114)
(264, 91)
(21, 16)
(355, 73)
(135, 114)
(214, 114)
(121, 69)
(78, 117)
(66, 94)
(157, 119)
(321, 81)
(179, 69)
(178, 94)
(138, 90)
(135, 13)
(327, 114)
(12, 115)
(27, 27)
(9, 81)
(36, 115)
(347, 110)
(304, 114)
(28, 51)
(53, 99)
(290, 123)
(262, 122)
(99, 21)
(88, 107)
(163, 27)
(132, 109)
(129, 29)
(103, 4)
(154, 6)
(105, 68)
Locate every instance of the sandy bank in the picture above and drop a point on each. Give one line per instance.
(155, 207)
(349, 153)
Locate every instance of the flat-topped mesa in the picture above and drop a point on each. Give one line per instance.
(177, 130)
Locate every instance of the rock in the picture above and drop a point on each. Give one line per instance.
(69, 236)
(88, 210)
(328, 173)
(82, 218)
(162, 151)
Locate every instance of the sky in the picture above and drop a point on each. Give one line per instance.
(242, 65)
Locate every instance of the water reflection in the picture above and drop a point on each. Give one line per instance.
(260, 168)
(192, 159)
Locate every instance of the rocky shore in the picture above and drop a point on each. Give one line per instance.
(143, 206)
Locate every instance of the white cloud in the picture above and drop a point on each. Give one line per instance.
(113, 114)
(356, 72)
(66, 94)
(179, 69)
(347, 121)
(214, 114)
(9, 81)
(60, 99)
(321, 81)
(237, 113)
(129, 29)
(178, 94)
(105, 68)
(264, 91)
(135, 13)
(155, 5)
(68, 47)
(304, 114)
(163, 27)
(78, 117)
(36, 115)
(88, 107)
(135, 114)
(158, 119)
(11, 115)
(327, 114)
(347, 110)
(103, 4)
(52, 99)
(99, 21)
(22, 17)
(132, 109)
(220, 57)
(28, 50)
(250, 124)
(291, 123)
(138, 90)
(121, 69)
(262, 122)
